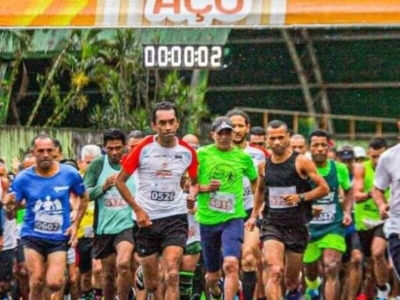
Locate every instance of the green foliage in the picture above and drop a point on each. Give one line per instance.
(111, 62)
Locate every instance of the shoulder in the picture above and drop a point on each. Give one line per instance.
(342, 167)
(98, 161)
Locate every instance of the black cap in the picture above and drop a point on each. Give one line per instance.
(346, 154)
(221, 123)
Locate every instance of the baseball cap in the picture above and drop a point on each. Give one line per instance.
(359, 152)
(221, 123)
(346, 153)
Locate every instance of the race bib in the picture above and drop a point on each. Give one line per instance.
(326, 216)
(276, 197)
(88, 232)
(163, 192)
(48, 223)
(113, 200)
(222, 202)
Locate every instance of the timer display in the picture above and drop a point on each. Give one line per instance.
(183, 57)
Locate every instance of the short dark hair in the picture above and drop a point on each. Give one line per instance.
(165, 105)
(238, 112)
(41, 136)
(257, 130)
(274, 124)
(57, 144)
(378, 143)
(319, 133)
(136, 134)
(114, 134)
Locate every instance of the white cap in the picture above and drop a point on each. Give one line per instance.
(359, 152)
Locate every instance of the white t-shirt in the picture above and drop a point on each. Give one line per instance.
(387, 174)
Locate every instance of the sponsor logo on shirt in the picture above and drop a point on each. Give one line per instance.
(61, 188)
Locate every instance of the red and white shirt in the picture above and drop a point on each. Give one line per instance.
(159, 172)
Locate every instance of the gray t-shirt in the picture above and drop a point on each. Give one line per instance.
(388, 175)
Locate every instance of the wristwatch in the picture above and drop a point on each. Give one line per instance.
(302, 197)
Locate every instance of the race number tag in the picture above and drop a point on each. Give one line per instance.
(113, 200)
(88, 231)
(276, 197)
(222, 202)
(327, 214)
(163, 192)
(48, 223)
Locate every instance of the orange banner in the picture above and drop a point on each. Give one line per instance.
(148, 13)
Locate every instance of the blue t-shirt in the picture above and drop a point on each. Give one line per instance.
(47, 201)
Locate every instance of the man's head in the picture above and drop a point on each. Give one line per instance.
(345, 154)
(222, 133)
(114, 141)
(134, 138)
(278, 137)
(298, 143)
(165, 122)
(360, 155)
(241, 125)
(42, 148)
(58, 150)
(88, 153)
(257, 136)
(376, 147)
(319, 146)
(192, 140)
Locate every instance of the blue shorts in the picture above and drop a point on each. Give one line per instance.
(220, 241)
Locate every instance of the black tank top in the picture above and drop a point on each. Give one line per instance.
(281, 179)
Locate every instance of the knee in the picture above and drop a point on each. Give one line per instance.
(378, 253)
(172, 277)
(356, 260)
(36, 282)
(213, 278)
(248, 260)
(275, 272)
(124, 267)
(331, 269)
(97, 270)
(231, 266)
(55, 284)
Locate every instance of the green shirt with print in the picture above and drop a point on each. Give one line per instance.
(228, 167)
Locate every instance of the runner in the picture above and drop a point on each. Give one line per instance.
(388, 174)
(327, 233)
(288, 196)
(368, 222)
(113, 225)
(47, 230)
(251, 254)
(221, 210)
(161, 160)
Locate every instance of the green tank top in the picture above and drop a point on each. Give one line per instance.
(367, 210)
(330, 219)
(112, 214)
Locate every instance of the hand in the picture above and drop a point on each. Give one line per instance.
(384, 211)
(1, 243)
(250, 223)
(190, 202)
(9, 200)
(316, 211)
(71, 231)
(15, 164)
(292, 199)
(214, 185)
(110, 182)
(142, 219)
(347, 219)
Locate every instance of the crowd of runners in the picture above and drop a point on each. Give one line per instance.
(257, 214)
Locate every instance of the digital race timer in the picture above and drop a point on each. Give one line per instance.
(183, 57)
